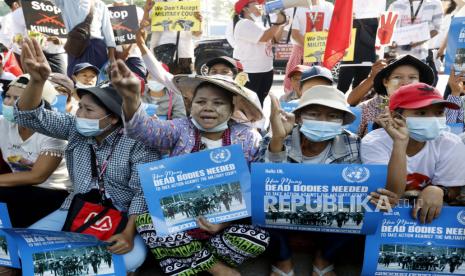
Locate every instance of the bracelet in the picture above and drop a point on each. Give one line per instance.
(445, 190)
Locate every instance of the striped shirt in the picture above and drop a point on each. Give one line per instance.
(430, 12)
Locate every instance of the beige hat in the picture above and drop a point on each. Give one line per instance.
(243, 102)
(49, 93)
(327, 96)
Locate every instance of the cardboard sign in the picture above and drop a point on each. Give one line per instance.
(63, 253)
(125, 24)
(44, 17)
(176, 16)
(411, 34)
(315, 45)
(403, 246)
(211, 183)
(318, 198)
(455, 53)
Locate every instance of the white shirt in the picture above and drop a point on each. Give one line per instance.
(440, 161)
(255, 56)
(212, 144)
(317, 18)
(21, 155)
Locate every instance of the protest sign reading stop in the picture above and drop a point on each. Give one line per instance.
(44, 17)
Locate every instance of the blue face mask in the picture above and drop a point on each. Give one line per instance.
(8, 113)
(221, 127)
(423, 129)
(318, 131)
(90, 127)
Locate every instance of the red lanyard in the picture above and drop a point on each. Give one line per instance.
(97, 171)
(198, 146)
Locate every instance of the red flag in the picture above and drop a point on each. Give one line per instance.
(10, 64)
(339, 33)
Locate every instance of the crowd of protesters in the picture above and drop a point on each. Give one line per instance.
(45, 154)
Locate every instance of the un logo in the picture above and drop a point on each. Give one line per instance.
(220, 155)
(461, 217)
(356, 174)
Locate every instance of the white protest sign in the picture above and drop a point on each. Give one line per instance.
(411, 34)
(369, 9)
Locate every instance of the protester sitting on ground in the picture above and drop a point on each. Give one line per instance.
(209, 126)
(313, 134)
(424, 160)
(457, 93)
(85, 75)
(36, 162)
(101, 47)
(364, 91)
(65, 86)
(169, 104)
(96, 131)
(401, 71)
(295, 76)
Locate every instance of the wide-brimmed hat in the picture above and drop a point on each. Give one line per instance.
(48, 93)
(107, 95)
(327, 96)
(188, 84)
(426, 73)
(418, 95)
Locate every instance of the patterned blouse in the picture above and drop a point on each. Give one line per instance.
(178, 136)
(370, 110)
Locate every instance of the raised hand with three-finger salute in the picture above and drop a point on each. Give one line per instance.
(395, 125)
(281, 123)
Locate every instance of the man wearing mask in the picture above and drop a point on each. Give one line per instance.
(424, 160)
(85, 75)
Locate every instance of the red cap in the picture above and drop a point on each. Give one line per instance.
(298, 68)
(417, 95)
(239, 6)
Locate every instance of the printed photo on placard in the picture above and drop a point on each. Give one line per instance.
(91, 260)
(437, 259)
(318, 198)
(54, 253)
(212, 200)
(303, 218)
(403, 246)
(214, 184)
(455, 52)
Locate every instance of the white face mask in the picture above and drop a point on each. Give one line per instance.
(155, 86)
(256, 18)
(83, 86)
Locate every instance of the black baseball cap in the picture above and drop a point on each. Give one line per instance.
(106, 95)
(85, 65)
